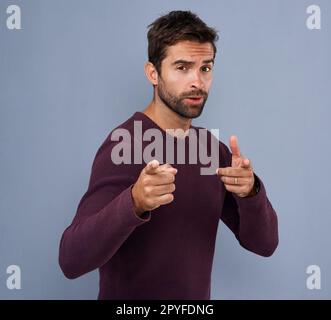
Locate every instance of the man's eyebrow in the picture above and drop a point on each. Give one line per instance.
(208, 61)
(181, 61)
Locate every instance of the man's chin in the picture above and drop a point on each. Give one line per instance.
(188, 111)
(192, 112)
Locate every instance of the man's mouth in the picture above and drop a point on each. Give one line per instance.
(194, 100)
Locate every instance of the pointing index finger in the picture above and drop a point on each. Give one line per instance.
(234, 146)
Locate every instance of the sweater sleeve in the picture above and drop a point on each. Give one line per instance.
(252, 219)
(105, 218)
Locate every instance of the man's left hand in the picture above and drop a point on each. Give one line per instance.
(239, 178)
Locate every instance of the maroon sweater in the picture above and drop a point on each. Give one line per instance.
(168, 252)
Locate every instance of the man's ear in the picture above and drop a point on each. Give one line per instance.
(151, 73)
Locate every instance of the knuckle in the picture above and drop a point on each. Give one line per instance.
(147, 190)
(150, 204)
(145, 180)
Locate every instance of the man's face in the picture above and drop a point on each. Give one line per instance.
(186, 76)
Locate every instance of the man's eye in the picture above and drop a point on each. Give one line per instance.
(182, 68)
(206, 69)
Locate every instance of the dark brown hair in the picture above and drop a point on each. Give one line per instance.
(173, 27)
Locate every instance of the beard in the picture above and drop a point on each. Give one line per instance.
(177, 103)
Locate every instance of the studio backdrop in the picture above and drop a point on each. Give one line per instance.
(71, 71)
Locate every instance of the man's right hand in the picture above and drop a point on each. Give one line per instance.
(154, 187)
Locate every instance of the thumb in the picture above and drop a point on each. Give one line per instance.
(152, 166)
(234, 146)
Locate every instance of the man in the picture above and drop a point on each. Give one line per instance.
(150, 227)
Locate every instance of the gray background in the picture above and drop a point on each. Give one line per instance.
(75, 71)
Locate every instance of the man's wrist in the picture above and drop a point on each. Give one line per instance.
(136, 207)
(256, 187)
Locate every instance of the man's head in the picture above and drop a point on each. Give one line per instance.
(181, 53)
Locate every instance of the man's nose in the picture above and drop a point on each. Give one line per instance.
(196, 81)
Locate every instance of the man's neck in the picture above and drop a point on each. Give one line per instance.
(165, 118)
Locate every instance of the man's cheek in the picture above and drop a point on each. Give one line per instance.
(208, 83)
